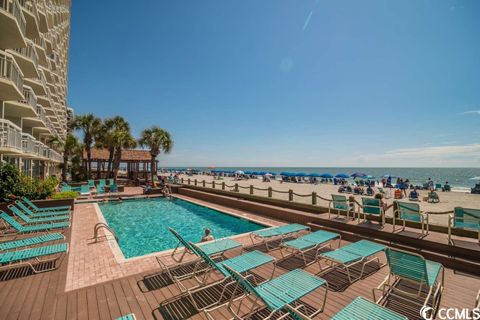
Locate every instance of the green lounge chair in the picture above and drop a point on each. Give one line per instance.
(46, 209)
(414, 269)
(464, 218)
(316, 240)
(438, 186)
(91, 183)
(65, 188)
(340, 203)
(363, 309)
(242, 264)
(102, 183)
(14, 224)
(28, 211)
(270, 234)
(277, 294)
(33, 220)
(85, 190)
(362, 252)
(211, 248)
(129, 316)
(372, 207)
(407, 211)
(27, 242)
(15, 259)
(110, 182)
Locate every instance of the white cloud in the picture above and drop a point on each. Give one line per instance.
(472, 112)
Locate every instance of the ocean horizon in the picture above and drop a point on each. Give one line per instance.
(461, 179)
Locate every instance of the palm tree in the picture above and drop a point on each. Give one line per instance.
(109, 134)
(90, 126)
(157, 140)
(122, 140)
(71, 143)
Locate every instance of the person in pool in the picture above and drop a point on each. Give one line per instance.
(207, 236)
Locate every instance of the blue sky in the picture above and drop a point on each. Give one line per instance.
(286, 83)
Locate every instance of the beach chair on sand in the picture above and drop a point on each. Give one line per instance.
(270, 234)
(358, 253)
(413, 269)
(385, 193)
(28, 211)
(26, 257)
(33, 220)
(316, 240)
(363, 309)
(433, 197)
(11, 223)
(210, 248)
(407, 211)
(32, 241)
(36, 209)
(464, 218)
(242, 264)
(372, 207)
(340, 203)
(276, 294)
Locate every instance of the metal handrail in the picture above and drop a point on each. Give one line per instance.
(99, 226)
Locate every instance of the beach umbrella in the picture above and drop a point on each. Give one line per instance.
(342, 176)
(314, 175)
(301, 174)
(248, 172)
(358, 175)
(268, 174)
(369, 177)
(239, 172)
(326, 175)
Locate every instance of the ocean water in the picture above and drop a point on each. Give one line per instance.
(142, 225)
(458, 178)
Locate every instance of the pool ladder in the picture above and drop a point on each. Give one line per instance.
(99, 226)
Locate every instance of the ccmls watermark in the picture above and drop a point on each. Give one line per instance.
(451, 313)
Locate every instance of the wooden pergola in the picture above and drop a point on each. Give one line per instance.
(137, 163)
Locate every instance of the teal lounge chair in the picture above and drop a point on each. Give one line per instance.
(110, 182)
(46, 209)
(33, 220)
(464, 218)
(91, 183)
(363, 309)
(28, 211)
(372, 207)
(15, 259)
(11, 223)
(242, 264)
(340, 203)
(102, 183)
(211, 248)
(413, 269)
(129, 316)
(270, 234)
(85, 190)
(316, 240)
(362, 252)
(407, 211)
(277, 294)
(65, 188)
(32, 241)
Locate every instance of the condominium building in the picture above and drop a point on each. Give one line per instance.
(34, 43)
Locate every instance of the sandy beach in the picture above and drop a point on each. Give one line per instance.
(448, 200)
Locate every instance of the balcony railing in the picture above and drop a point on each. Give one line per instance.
(13, 7)
(28, 143)
(10, 135)
(30, 97)
(28, 52)
(10, 70)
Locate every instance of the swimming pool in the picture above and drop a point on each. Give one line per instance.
(141, 225)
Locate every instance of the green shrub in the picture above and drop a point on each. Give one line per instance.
(9, 182)
(65, 195)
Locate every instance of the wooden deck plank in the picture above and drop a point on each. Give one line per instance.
(92, 304)
(131, 299)
(112, 301)
(102, 303)
(60, 307)
(82, 304)
(72, 309)
(27, 305)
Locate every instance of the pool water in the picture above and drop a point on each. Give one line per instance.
(142, 225)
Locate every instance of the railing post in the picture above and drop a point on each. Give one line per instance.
(203, 183)
(181, 180)
(236, 187)
(188, 181)
(290, 195)
(213, 184)
(314, 198)
(223, 185)
(251, 189)
(269, 192)
(195, 182)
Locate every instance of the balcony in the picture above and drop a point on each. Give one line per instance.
(25, 107)
(11, 78)
(28, 145)
(31, 17)
(10, 138)
(12, 24)
(26, 59)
